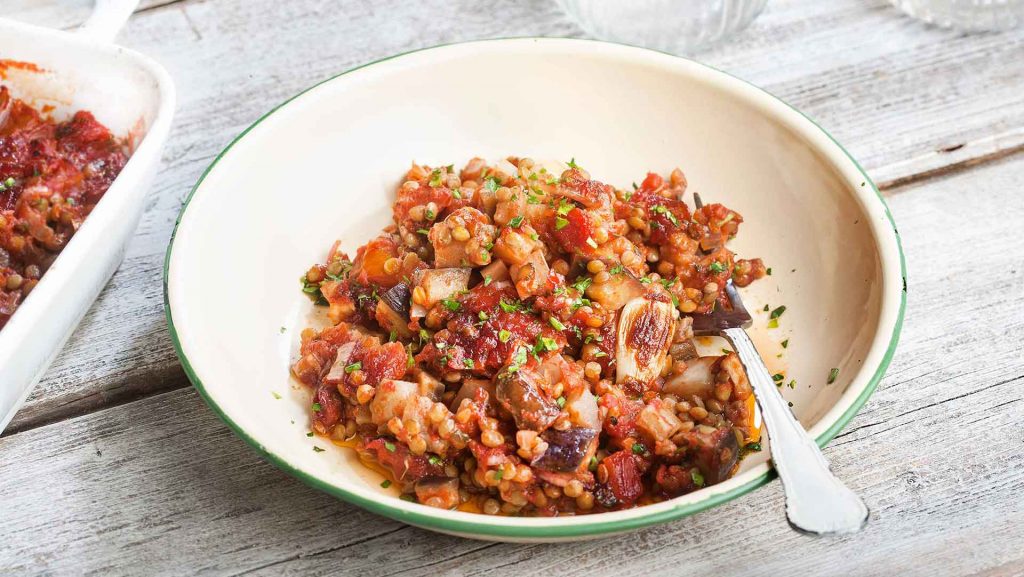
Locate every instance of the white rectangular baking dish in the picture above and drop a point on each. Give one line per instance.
(134, 97)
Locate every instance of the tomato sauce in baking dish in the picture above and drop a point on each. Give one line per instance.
(52, 174)
(518, 341)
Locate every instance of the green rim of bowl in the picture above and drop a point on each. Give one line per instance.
(587, 528)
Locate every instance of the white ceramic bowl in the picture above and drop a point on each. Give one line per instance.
(324, 165)
(134, 97)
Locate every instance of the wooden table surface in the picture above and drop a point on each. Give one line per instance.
(116, 467)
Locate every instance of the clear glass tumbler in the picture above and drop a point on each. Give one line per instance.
(966, 15)
(680, 26)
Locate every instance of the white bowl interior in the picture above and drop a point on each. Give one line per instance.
(324, 167)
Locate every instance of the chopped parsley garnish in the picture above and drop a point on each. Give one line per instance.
(318, 449)
(639, 449)
(504, 335)
(385, 484)
(717, 267)
(561, 402)
(832, 375)
(499, 473)
(309, 434)
(773, 324)
(766, 308)
(423, 231)
(769, 271)
(659, 209)
(510, 307)
(698, 479)
(600, 354)
(564, 207)
(516, 222)
(487, 280)
(561, 222)
(776, 313)
(582, 283)
(752, 447)
(791, 384)
(482, 316)
(424, 336)
(617, 269)
(544, 344)
(276, 395)
(785, 343)
(456, 194)
(593, 464)
(353, 367)
(435, 178)
(518, 360)
(556, 324)
(451, 304)
(435, 460)
(468, 363)
(389, 446)
(572, 163)
(317, 408)
(491, 184)
(778, 377)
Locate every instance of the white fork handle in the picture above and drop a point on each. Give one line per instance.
(817, 502)
(107, 19)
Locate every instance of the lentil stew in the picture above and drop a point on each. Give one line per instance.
(518, 341)
(52, 174)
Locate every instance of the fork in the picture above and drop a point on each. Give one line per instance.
(817, 503)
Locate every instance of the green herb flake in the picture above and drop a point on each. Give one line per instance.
(510, 307)
(600, 354)
(499, 474)
(785, 344)
(659, 209)
(561, 222)
(766, 308)
(482, 316)
(389, 446)
(317, 408)
(717, 267)
(276, 395)
(544, 344)
(698, 479)
(423, 231)
(617, 269)
(468, 363)
(556, 324)
(582, 284)
(504, 335)
(318, 449)
(769, 271)
(385, 484)
(561, 402)
(353, 367)
(456, 194)
(491, 184)
(593, 463)
(832, 375)
(752, 447)
(564, 207)
(518, 360)
(435, 460)
(435, 178)
(516, 222)
(776, 313)
(773, 324)
(487, 280)
(451, 304)
(778, 377)
(572, 163)
(791, 384)
(639, 449)
(309, 434)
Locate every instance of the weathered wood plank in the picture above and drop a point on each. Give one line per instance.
(160, 486)
(901, 96)
(63, 14)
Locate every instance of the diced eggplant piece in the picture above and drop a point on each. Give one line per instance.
(618, 290)
(337, 372)
(497, 271)
(643, 337)
(531, 277)
(658, 421)
(392, 312)
(566, 449)
(698, 379)
(520, 394)
(441, 283)
(685, 351)
(440, 492)
(469, 389)
(715, 453)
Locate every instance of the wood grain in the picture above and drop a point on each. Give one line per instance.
(907, 100)
(159, 486)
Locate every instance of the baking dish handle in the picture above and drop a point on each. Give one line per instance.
(107, 19)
